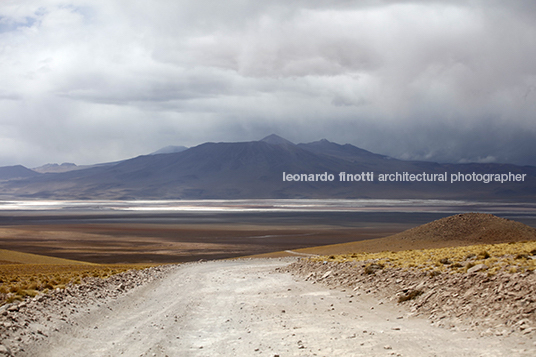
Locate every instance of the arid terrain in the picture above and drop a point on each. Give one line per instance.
(110, 238)
(459, 286)
(234, 308)
(452, 231)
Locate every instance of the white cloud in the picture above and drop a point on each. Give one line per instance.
(101, 80)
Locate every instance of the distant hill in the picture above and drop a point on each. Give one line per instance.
(16, 172)
(66, 166)
(13, 257)
(476, 228)
(346, 152)
(255, 170)
(453, 231)
(169, 150)
(276, 140)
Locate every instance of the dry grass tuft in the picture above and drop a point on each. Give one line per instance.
(373, 268)
(20, 280)
(507, 257)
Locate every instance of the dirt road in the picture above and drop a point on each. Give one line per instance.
(246, 308)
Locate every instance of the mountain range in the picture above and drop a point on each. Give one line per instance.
(257, 169)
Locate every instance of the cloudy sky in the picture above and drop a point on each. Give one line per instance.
(100, 80)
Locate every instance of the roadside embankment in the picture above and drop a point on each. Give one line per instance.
(494, 304)
(33, 319)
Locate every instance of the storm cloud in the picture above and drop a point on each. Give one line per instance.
(102, 80)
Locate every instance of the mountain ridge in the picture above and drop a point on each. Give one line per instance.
(16, 172)
(257, 169)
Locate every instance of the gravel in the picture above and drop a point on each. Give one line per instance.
(233, 308)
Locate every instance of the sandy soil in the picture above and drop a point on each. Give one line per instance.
(247, 308)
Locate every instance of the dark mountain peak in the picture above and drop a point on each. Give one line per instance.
(171, 149)
(323, 142)
(256, 169)
(16, 172)
(55, 168)
(346, 151)
(276, 140)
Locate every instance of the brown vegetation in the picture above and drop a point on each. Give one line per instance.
(20, 280)
(509, 257)
(23, 274)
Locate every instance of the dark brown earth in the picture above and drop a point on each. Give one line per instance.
(134, 241)
(153, 243)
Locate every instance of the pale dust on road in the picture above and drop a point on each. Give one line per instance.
(246, 308)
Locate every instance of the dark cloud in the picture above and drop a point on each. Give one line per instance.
(91, 81)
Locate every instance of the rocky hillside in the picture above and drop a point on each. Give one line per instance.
(470, 228)
(499, 304)
(453, 231)
(487, 286)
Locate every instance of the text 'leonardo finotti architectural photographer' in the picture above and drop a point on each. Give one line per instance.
(406, 177)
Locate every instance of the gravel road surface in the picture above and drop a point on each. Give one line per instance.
(247, 308)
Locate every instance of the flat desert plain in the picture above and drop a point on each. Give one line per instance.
(109, 238)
